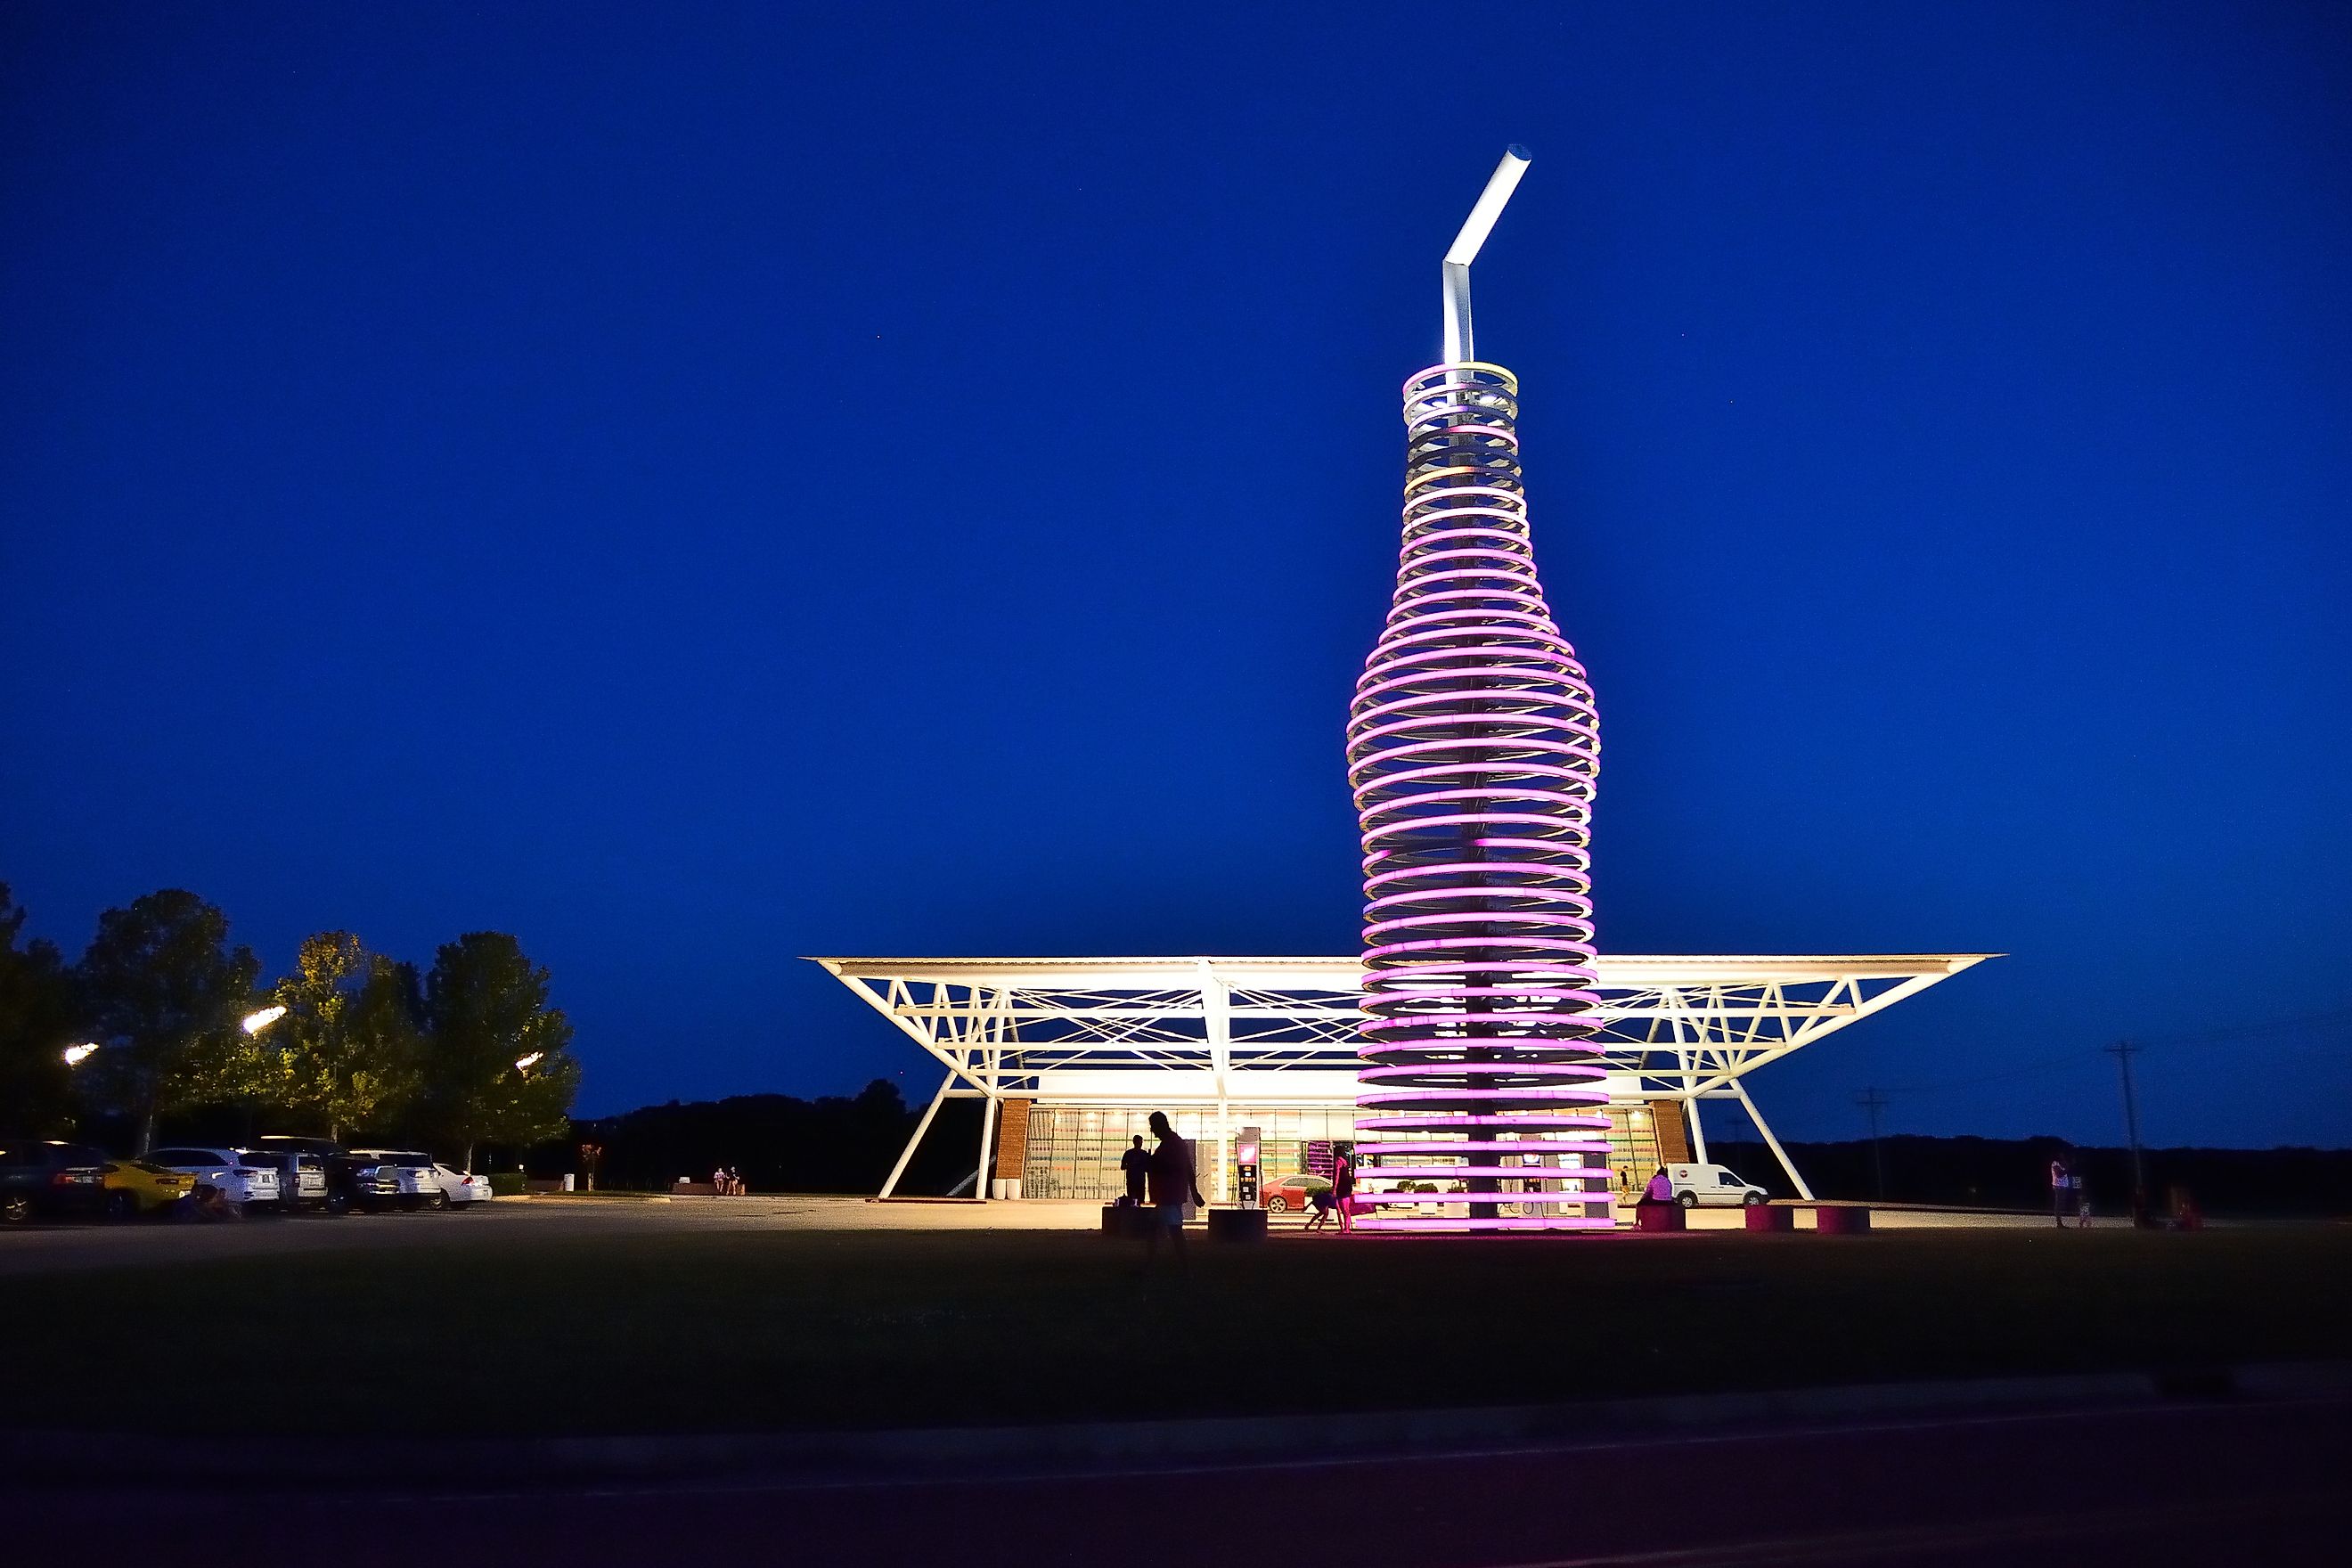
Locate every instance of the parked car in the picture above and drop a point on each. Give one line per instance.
(141, 1187)
(1282, 1194)
(462, 1188)
(43, 1176)
(301, 1178)
(1713, 1187)
(239, 1182)
(353, 1181)
(418, 1186)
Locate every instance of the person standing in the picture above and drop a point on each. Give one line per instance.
(1136, 1165)
(1343, 1188)
(2062, 1190)
(1172, 1182)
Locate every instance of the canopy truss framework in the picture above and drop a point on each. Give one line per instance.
(1214, 1031)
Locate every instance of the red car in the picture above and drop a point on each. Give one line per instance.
(1282, 1194)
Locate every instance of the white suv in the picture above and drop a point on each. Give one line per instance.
(1713, 1187)
(239, 1181)
(301, 1177)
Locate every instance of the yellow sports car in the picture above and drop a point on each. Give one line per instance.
(136, 1187)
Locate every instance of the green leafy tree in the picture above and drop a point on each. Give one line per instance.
(38, 1021)
(164, 992)
(347, 1050)
(498, 1063)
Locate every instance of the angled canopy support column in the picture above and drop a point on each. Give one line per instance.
(906, 1155)
(1685, 1057)
(1773, 1144)
(1217, 1029)
(987, 1126)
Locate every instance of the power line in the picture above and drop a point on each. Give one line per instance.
(2080, 1057)
(2248, 1031)
(2072, 1059)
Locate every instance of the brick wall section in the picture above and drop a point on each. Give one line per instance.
(1674, 1132)
(1012, 1138)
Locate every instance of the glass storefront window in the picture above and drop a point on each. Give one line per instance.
(1073, 1152)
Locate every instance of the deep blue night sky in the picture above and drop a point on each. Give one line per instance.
(696, 486)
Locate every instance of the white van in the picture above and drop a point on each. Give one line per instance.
(1713, 1187)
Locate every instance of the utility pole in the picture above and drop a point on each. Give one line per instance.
(1874, 1102)
(2123, 1051)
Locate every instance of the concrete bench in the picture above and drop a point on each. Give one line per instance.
(1840, 1219)
(1129, 1219)
(1659, 1217)
(693, 1189)
(1770, 1216)
(1237, 1225)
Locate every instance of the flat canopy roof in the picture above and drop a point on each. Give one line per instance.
(1218, 1031)
(1003, 1025)
(1347, 974)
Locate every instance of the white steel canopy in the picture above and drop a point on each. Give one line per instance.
(1216, 1031)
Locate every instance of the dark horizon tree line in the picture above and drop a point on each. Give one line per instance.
(468, 1053)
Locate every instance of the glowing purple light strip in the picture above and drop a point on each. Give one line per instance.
(1474, 749)
(1447, 1222)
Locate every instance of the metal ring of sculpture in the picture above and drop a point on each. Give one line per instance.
(1474, 749)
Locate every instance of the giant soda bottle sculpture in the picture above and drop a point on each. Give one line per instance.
(1474, 749)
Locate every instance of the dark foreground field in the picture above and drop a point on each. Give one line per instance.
(497, 1330)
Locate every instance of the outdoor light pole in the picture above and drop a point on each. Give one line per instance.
(1874, 1102)
(2123, 1051)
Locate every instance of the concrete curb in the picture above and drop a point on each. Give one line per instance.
(355, 1461)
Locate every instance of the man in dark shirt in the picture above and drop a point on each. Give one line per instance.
(1172, 1182)
(1135, 1163)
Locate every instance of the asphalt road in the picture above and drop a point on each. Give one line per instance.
(2182, 1483)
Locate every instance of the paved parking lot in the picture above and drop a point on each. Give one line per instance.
(51, 1248)
(48, 1248)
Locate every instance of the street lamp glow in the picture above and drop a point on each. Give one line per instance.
(257, 1021)
(76, 1055)
(524, 1064)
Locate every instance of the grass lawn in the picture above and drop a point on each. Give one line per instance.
(702, 1330)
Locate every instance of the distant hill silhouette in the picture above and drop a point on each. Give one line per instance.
(778, 1143)
(2014, 1173)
